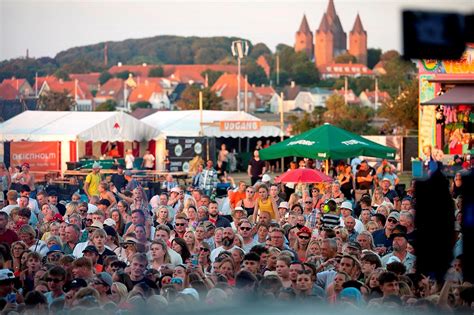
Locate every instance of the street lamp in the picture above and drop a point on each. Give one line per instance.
(240, 49)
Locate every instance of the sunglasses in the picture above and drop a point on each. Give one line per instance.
(392, 220)
(308, 202)
(89, 220)
(203, 249)
(180, 224)
(304, 237)
(55, 280)
(243, 228)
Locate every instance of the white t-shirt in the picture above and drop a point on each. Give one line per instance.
(219, 250)
(359, 226)
(148, 160)
(129, 159)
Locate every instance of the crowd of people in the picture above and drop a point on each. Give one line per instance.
(112, 249)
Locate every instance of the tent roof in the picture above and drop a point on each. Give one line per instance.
(458, 95)
(187, 124)
(71, 126)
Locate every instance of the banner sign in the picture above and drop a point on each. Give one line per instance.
(183, 150)
(42, 156)
(244, 125)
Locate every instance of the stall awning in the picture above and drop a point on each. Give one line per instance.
(458, 95)
(216, 123)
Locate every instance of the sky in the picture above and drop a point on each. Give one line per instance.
(48, 27)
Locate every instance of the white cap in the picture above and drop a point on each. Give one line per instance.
(109, 222)
(346, 205)
(266, 178)
(283, 204)
(175, 189)
(91, 208)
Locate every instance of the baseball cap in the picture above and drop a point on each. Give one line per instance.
(109, 222)
(175, 189)
(54, 249)
(119, 264)
(266, 178)
(53, 193)
(284, 205)
(394, 215)
(6, 275)
(355, 245)
(97, 224)
(346, 205)
(91, 208)
(386, 179)
(105, 278)
(96, 165)
(91, 248)
(26, 164)
(75, 284)
(110, 231)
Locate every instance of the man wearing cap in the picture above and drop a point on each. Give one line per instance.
(399, 246)
(92, 253)
(53, 199)
(102, 283)
(7, 281)
(54, 254)
(389, 193)
(93, 179)
(382, 240)
(71, 288)
(346, 211)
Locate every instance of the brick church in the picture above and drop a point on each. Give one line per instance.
(330, 40)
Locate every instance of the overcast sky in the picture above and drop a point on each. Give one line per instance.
(48, 27)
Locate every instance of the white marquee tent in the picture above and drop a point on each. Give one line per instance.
(229, 124)
(79, 127)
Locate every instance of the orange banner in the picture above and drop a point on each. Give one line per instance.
(42, 156)
(244, 125)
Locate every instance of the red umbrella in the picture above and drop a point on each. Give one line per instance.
(304, 175)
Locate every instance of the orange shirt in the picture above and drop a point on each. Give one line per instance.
(235, 197)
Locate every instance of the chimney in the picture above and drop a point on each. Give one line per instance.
(292, 84)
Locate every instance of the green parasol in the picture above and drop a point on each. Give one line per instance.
(327, 142)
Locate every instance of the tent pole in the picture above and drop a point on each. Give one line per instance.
(326, 167)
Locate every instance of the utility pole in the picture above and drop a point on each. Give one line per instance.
(246, 102)
(376, 93)
(282, 126)
(240, 49)
(278, 69)
(345, 90)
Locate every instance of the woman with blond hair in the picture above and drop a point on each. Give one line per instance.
(118, 294)
(190, 240)
(191, 214)
(71, 208)
(159, 254)
(52, 229)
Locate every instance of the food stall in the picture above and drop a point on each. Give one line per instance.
(446, 116)
(50, 141)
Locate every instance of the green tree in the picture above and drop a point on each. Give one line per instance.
(157, 72)
(56, 101)
(60, 74)
(389, 55)
(190, 99)
(258, 50)
(104, 77)
(123, 75)
(337, 110)
(345, 58)
(373, 57)
(107, 106)
(402, 111)
(398, 76)
(142, 104)
(294, 67)
(256, 74)
(301, 124)
(212, 76)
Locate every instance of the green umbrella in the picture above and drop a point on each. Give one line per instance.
(327, 142)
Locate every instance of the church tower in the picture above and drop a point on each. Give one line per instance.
(330, 38)
(304, 39)
(358, 41)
